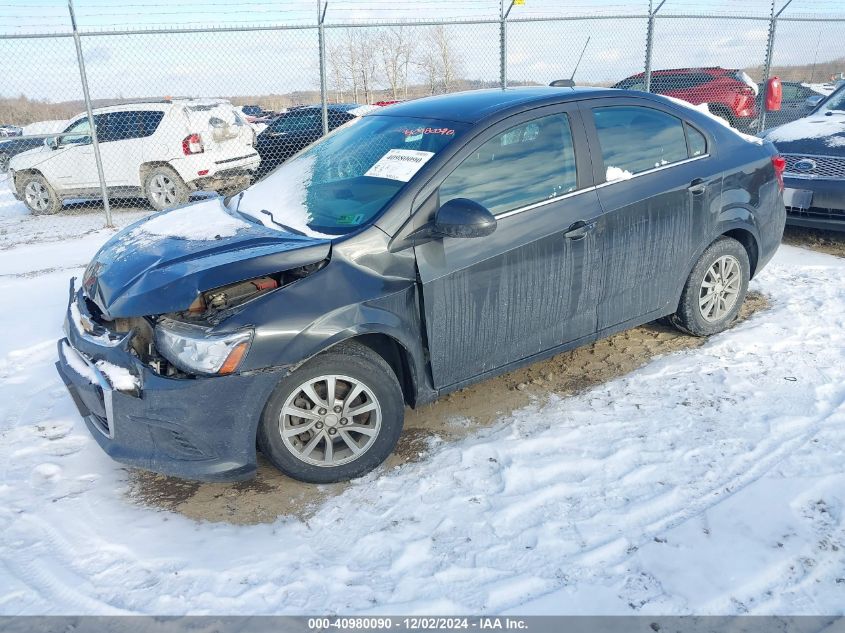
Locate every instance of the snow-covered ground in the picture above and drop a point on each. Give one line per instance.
(709, 481)
(19, 226)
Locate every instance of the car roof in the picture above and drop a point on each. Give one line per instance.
(473, 105)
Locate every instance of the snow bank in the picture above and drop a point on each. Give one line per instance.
(45, 127)
(200, 221)
(710, 481)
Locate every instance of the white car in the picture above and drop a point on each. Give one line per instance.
(160, 150)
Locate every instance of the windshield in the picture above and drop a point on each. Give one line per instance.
(345, 180)
(835, 102)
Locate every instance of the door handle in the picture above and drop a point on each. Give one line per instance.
(578, 230)
(697, 186)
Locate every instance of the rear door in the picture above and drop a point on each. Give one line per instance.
(121, 147)
(657, 180)
(528, 287)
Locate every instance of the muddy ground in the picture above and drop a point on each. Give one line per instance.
(456, 416)
(830, 242)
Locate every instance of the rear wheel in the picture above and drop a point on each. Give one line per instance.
(335, 418)
(164, 188)
(38, 195)
(715, 289)
(4, 163)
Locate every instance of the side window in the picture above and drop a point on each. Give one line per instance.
(77, 133)
(117, 126)
(697, 142)
(634, 139)
(150, 120)
(528, 163)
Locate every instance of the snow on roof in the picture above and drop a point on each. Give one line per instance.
(705, 109)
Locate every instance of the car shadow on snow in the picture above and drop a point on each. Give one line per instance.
(271, 495)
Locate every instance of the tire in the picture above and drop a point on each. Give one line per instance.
(38, 195)
(305, 455)
(4, 163)
(722, 270)
(164, 188)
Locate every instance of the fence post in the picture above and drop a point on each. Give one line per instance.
(86, 95)
(767, 66)
(503, 41)
(321, 32)
(649, 41)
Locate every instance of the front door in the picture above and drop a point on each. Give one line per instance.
(532, 284)
(72, 166)
(658, 184)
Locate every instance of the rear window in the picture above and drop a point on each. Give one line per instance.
(635, 139)
(150, 120)
(696, 141)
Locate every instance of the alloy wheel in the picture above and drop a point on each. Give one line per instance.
(720, 288)
(37, 196)
(330, 420)
(163, 190)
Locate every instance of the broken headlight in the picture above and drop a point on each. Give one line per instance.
(193, 349)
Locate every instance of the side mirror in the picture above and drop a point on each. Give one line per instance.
(461, 217)
(52, 142)
(813, 101)
(774, 94)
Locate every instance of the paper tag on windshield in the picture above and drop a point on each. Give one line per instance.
(399, 164)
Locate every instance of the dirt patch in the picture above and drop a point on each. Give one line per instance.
(271, 494)
(830, 242)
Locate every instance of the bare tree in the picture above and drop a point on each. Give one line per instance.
(367, 62)
(439, 62)
(396, 47)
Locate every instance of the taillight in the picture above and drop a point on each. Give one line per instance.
(192, 144)
(779, 163)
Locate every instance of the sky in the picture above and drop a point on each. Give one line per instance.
(244, 62)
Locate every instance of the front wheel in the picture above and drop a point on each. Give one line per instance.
(4, 163)
(39, 196)
(335, 418)
(715, 289)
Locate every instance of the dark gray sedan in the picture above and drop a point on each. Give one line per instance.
(412, 252)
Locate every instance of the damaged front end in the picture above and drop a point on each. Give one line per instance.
(150, 362)
(147, 413)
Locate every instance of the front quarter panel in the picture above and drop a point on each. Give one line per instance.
(363, 289)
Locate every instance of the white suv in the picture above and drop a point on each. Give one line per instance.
(160, 150)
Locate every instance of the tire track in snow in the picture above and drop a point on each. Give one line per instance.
(558, 494)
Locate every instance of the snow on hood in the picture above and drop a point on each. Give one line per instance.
(814, 126)
(159, 265)
(704, 108)
(200, 221)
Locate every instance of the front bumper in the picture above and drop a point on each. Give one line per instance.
(825, 208)
(194, 428)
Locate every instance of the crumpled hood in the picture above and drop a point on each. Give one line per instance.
(818, 134)
(162, 263)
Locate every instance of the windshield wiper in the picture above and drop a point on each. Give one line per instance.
(281, 225)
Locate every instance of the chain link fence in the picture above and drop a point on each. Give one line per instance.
(154, 104)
